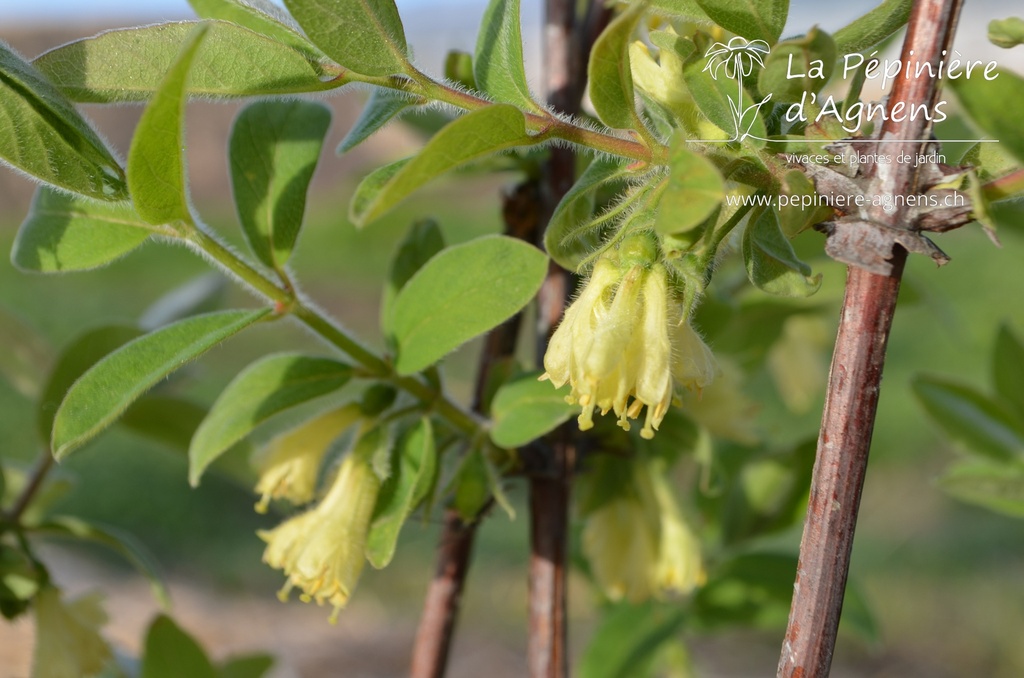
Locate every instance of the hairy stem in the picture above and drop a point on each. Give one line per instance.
(855, 378)
(286, 301)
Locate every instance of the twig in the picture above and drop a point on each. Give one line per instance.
(521, 214)
(855, 377)
(32, 486)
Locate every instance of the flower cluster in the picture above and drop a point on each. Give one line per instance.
(638, 543)
(623, 340)
(322, 551)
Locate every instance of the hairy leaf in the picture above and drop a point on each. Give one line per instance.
(415, 461)
(565, 238)
(981, 424)
(74, 360)
(475, 135)
(695, 190)
(383, 106)
(274, 149)
(129, 64)
(524, 409)
(753, 19)
(611, 82)
(156, 161)
(114, 383)
(1006, 33)
(65, 232)
(420, 244)
(794, 56)
(461, 293)
(874, 27)
(260, 16)
(685, 8)
(364, 35)
(771, 263)
(45, 137)
(498, 67)
(265, 388)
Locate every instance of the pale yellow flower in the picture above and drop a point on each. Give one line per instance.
(322, 551)
(68, 642)
(293, 460)
(639, 545)
(621, 342)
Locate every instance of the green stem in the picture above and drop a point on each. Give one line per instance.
(286, 301)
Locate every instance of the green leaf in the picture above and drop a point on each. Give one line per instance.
(273, 153)
(715, 100)
(114, 383)
(695, 190)
(753, 19)
(473, 136)
(999, 488)
(384, 106)
(260, 16)
(65, 232)
(44, 136)
(874, 27)
(461, 293)
(1008, 369)
(798, 56)
(971, 418)
(370, 188)
(364, 35)
(995, 106)
(122, 543)
(80, 354)
(265, 388)
(471, 486)
(771, 263)
(458, 68)
(249, 666)
(991, 161)
(156, 160)
(26, 354)
(1006, 33)
(628, 639)
(524, 409)
(172, 653)
(498, 67)
(750, 589)
(421, 243)
(611, 82)
(415, 462)
(129, 64)
(685, 8)
(565, 238)
(798, 212)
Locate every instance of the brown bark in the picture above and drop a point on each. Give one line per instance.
(855, 378)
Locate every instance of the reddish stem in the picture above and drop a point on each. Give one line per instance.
(855, 378)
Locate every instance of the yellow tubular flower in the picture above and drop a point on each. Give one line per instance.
(620, 544)
(678, 569)
(322, 551)
(622, 340)
(293, 462)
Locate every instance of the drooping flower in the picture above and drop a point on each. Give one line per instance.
(68, 642)
(293, 461)
(322, 551)
(723, 409)
(623, 339)
(637, 542)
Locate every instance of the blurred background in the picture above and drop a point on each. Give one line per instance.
(942, 580)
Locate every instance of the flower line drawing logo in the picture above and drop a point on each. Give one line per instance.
(737, 58)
